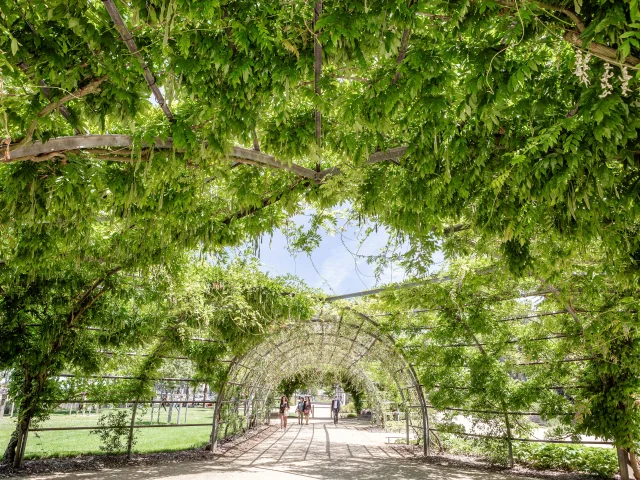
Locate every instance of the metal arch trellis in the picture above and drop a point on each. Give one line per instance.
(276, 363)
(258, 383)
(275, 368)
(417, 387)
(284, 353)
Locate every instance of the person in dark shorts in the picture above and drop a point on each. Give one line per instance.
(300, 410)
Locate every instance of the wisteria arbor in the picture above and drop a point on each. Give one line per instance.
(500, 132)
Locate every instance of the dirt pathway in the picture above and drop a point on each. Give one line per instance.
(317, 451)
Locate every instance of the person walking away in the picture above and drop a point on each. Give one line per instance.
(306, 409)
(300, 410)
(335, 409)
(284, 411)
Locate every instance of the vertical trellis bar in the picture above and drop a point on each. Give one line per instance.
(406, 421)
(216, 423)
(425, 412)
(426, 428)
(509, 441)
(133, 421)
(317, 73)
(623, 464)
(217, 408)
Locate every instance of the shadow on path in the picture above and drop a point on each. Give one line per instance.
(348, 451)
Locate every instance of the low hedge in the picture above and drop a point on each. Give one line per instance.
(602, 462)
(572, 458)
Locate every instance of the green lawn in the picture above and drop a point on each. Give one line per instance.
(70, 443)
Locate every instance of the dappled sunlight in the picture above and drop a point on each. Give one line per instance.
(319, 450)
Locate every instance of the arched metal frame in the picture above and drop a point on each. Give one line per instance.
(347, 342)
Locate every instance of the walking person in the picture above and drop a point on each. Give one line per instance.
(284, 411)
(306, 409)
(300, 410)
(335, 409)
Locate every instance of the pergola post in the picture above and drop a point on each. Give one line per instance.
(407, 412)
(216, 422)
(133, 420)
(626, 473)
(425, 412)
(509, 441)
(427, 430)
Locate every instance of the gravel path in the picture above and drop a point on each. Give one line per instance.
(319, 451)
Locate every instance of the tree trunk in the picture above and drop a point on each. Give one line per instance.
(10, 452)
(623, 463)
(633, 461)
(30, 398)
(204, 396)
(21, 441)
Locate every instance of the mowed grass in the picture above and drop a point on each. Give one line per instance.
(64, 443)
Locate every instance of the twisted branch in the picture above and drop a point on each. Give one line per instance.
(127, 38)
(92, 87)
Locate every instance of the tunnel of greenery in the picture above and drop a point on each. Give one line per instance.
(147, 146)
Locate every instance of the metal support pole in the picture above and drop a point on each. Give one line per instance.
(425, 412)
(133, 420)
(623, 462)
(216, 413)
(426, 429)
(509, 442)
(406, 421)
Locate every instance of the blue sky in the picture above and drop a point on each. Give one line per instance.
(332, 267)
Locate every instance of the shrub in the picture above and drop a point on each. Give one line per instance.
(115, 435)
(602, 462)
(349, 408)
(573, 458)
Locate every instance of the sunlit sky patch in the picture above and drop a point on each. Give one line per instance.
(339, 264)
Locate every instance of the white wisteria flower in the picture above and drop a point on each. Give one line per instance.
(582, 67)
(605, 83)
(624, 81)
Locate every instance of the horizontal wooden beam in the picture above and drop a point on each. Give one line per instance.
(377, 157)
(42, 151)
(39, 151)
(269, 160)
